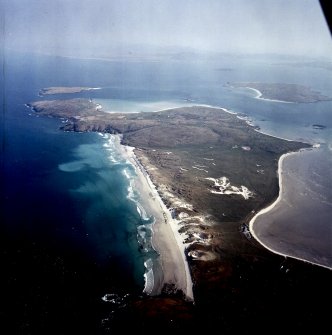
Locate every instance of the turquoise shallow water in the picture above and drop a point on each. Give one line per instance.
(127, 106)
(67, 202)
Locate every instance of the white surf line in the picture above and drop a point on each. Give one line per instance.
(172, 222)
(197, 168)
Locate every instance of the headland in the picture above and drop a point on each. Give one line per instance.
(213, 172)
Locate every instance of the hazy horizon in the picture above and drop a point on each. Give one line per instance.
(102, 28)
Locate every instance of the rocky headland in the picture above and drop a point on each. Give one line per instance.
(214, 172)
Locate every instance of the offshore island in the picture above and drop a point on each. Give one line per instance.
(281, 92)
(213, 172)
(64, 90)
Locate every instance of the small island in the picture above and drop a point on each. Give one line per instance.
(318, 126)
(63, 90)
(280, 92)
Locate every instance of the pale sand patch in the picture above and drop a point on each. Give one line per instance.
(270, 207)
(166, 238)
(225, 187)
(201, 255)
(259, 96)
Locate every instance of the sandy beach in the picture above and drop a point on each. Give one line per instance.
(267, 209)
(166, 238)
(270, 207)
(259, 96)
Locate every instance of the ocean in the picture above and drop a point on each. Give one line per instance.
(75, 241)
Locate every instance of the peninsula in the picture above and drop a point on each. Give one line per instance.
(280, 92)
(213, 172)
(196, 153)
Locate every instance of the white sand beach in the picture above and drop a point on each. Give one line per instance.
(166, 238)
(259, 95)
(270, 207)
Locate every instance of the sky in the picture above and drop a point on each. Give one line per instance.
(295, 27)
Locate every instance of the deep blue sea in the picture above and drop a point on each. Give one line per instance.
(71, 233)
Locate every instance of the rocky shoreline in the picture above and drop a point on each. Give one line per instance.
(237, 283)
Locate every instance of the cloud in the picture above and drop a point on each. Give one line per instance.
(255, 26)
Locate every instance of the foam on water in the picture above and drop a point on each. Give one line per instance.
(144, 237)
(148, 276)
(146, 221)
(142, 213)
(126, 173)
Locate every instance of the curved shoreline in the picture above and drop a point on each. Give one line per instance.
(150, 187)
(270, 207)
(145, 175)
(260, 94)
(166, 240)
